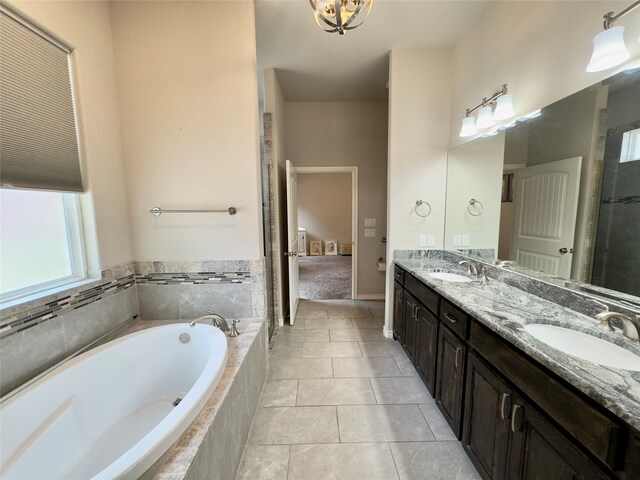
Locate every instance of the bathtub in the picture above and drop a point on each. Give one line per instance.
(110, 412)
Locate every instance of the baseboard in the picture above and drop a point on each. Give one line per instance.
(370, 296)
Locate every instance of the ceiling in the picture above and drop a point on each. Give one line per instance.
(313, 65)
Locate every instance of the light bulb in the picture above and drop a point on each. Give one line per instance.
(609, 50)
(468, 127)
(485, 117)
(504, 108)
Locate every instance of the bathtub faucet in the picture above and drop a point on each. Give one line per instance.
(215, 319)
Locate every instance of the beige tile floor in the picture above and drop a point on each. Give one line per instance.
(342, 402)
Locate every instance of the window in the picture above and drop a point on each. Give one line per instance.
(630, 146)
(41, 244)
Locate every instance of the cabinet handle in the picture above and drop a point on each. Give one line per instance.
(458, 350)
(450, 317)
(413, 311)
(513, 418)
(502, 405)
(417, 312)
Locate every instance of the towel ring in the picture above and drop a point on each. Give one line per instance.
(420, 203)
(477, 204)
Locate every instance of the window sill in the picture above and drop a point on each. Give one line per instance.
(45, 296)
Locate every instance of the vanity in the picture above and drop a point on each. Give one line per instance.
(521, 408)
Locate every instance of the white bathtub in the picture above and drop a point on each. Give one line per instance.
(109, 413)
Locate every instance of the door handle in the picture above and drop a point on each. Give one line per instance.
(458, 350)
(513, 418)
(564, 250)
(503, 416)
(450, 317)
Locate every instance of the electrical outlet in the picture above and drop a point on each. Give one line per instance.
(457, 240)
(465, 240)
(423, 242)
(369, 232)
(369, 222)
(431, 241)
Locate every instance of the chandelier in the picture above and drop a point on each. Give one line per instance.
(340, 15)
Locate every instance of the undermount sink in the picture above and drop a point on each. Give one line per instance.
(584, 346)
(450, 277)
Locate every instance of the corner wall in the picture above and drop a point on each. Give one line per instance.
(419, 106)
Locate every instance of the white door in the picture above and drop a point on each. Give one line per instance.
(292, 239)
(546, 204)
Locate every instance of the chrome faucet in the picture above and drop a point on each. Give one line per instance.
(629, 328)
(216, 321)
(484, 277)
(471, 268)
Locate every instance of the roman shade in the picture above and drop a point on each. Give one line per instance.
(38, 134)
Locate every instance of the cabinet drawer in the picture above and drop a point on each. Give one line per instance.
(427, 297)
(454, 318)
(398, 274)
(584, 423)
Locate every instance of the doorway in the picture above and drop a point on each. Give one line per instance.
(327, 227)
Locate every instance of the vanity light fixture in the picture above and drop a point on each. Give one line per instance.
(503, 103)
(340, 15)
(609, 48)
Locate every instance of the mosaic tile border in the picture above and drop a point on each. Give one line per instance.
(193, 278)
(16, 323)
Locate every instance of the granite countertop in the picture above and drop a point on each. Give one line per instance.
(506, 310)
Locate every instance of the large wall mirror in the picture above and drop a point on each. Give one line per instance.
(559, 193)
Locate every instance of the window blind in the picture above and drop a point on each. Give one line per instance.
(38, 135)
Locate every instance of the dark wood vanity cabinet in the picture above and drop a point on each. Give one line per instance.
(410, 325)
(516, 419)
(507, 438)
(398, 312)
(451, 358)
(487, 412)
(427, 345)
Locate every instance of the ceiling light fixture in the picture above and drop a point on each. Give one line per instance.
(503, 103)
(609, 48)
(340, 15)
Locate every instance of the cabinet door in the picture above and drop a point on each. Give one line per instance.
(398, 312)
(410, 305)
(450, 377)
(487, 411)
(426, 346)
(538, 451)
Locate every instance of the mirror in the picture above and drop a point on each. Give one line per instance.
(558, 193)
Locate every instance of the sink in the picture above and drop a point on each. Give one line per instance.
(586, 347)
(450, 277)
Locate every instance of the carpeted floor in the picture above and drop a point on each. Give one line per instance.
(325, 277)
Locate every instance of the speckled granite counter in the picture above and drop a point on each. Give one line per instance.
(506, 310)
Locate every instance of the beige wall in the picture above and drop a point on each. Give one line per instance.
(274, 103)
(540, 48)
(348, 134)
(86, 27)
(324, 206)
(189, 117)
(419, 103)
(475, 171)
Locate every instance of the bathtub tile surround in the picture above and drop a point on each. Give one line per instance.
(331, 417)
(212, 446)
(44, 331)
(154, 290)
(184, 290)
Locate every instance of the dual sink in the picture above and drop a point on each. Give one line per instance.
(578, 344)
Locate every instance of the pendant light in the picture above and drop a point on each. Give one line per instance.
(340, 15)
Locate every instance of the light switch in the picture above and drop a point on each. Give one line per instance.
(369, 222)
(423, 240)
(465, 240)
(369, 232)
(431, 241)
(457, 240)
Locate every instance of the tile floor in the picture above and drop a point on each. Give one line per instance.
(342, 402)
